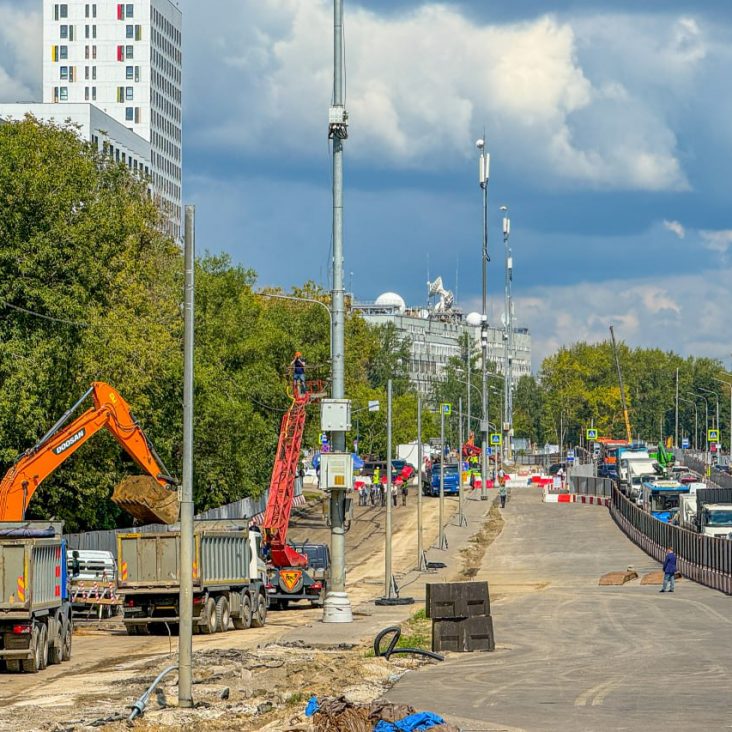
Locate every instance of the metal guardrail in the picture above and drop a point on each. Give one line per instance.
(590, 486)
(704, 559)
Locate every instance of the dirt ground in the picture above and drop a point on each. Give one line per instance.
(244, 680)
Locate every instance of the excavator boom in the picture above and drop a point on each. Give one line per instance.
(148, 499)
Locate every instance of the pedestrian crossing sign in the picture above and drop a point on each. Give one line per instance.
(496, 438)
(446, 408)
(712, 435)
(591, 434)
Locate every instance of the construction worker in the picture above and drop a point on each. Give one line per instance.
(298, 373)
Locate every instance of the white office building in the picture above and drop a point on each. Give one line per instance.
(436, 335)
(94, 125)
(125, 59)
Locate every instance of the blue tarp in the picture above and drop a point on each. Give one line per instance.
(413, 723)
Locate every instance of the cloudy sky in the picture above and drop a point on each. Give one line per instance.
(607, 122)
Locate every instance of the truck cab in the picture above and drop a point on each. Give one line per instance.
(716, 520)
(431, 486)
(661, 498)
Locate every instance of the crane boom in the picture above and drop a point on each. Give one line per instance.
(109, 411)
(282, 485)
(628, 431)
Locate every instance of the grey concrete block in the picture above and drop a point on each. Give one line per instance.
(457, 600)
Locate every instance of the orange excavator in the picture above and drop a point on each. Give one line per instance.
(150, 498)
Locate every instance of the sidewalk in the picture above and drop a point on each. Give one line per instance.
(369, 618)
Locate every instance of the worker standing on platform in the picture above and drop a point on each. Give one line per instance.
(298, 373)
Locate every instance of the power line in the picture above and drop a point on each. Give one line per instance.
(77, 323)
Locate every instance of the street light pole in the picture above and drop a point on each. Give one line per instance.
(484, 175)
(508, 382)
(696, 421)
(337, 607)
(729, 384)
(676, 432)
(421, 560)
(442, 544)
(185, 600)
(461, 512)
(388, 581)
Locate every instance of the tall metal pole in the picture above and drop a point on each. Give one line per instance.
(421, 563)
(185, 598)
(441, 517)
(676, 432)
(484, 175)
(461, 508)
(388, 584)
(468, 370)
(337, 607)
(508, 384)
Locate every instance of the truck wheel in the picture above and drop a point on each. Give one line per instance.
(44, 646)
(33, 665)
(208, 615)
(222, 614)
(55, 645)
(67, 635)
(259, 616)
(244, 622)
(13, 666)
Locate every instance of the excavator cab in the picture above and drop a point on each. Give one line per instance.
(150, 498)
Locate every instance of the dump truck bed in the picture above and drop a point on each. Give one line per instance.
(32, 573)
(149, 561)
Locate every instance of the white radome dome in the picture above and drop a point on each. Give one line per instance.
(391, 299)
(474, 319)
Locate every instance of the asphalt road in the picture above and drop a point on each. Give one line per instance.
(572, 655)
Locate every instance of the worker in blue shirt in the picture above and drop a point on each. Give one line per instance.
(669, 570)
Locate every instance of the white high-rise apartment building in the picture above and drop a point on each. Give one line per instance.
(124, 58)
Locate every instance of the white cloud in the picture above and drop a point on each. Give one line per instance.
(717, 241)
(644, 314)
(20, 53)
(422, 84)
(675, 227)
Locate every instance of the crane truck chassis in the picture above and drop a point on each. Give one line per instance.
(228, 579)
(35, 613)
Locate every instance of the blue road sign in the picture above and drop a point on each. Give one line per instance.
(685, 443)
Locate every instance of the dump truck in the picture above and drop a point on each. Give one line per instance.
(35, 612)
(229, 579)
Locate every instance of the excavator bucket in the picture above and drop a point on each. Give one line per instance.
(146, 500)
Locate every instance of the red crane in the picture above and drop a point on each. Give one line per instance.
(284, 472)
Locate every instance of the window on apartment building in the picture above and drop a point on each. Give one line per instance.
(94, 31)
(86, 31)
(129, 52)
(120, 94)
(86, 52)
(137, 73)
(63, 93)
(86, 10)
(64, 73)
(94, 10)
(94, 51)
(86, 94)
(129, 93)
(129, 10)
(129, 114)
(130, 73)
(64, 30)
(138, 32)
(94, 73)
(94, 94)
(130, 31)
(63, 52)
(86, 73)
(60, 11)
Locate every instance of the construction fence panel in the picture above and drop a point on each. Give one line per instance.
(583, 485)
(704, 559)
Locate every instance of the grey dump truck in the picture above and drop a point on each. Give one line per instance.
(228, 579)
(35, 612)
